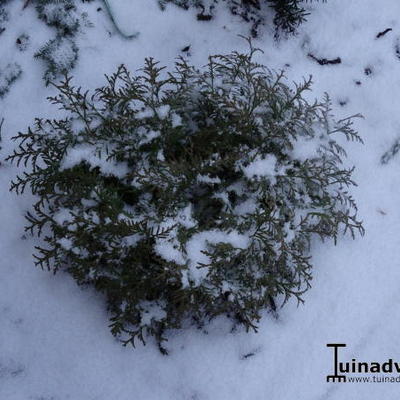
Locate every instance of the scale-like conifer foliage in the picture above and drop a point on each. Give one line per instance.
(288, 14)
(188, 194)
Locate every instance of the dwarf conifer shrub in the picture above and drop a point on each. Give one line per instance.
(188, 194)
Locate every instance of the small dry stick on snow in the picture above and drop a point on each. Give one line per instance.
(325, 61)
(383, 33)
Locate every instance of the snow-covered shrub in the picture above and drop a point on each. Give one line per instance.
(60, 55)
(4, 16)
(61, 14)
(61, 52)
(288, 14)
(187, 195)
(8, 75)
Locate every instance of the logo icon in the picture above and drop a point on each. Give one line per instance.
(336, 377)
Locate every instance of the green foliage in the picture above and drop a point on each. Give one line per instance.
(60, 55)
(288, 14)
(4, 16)
(61, 14)
(8, 75)
(188, 194)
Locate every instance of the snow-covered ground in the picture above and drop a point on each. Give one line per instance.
(54, 339)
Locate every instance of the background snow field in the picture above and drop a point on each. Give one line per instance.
(54, 339)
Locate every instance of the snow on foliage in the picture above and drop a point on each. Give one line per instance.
(8, 75)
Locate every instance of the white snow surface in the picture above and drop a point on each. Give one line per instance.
(54, 339)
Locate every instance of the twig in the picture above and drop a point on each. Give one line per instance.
(389, 154)
(380, 34)
(325, 61)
